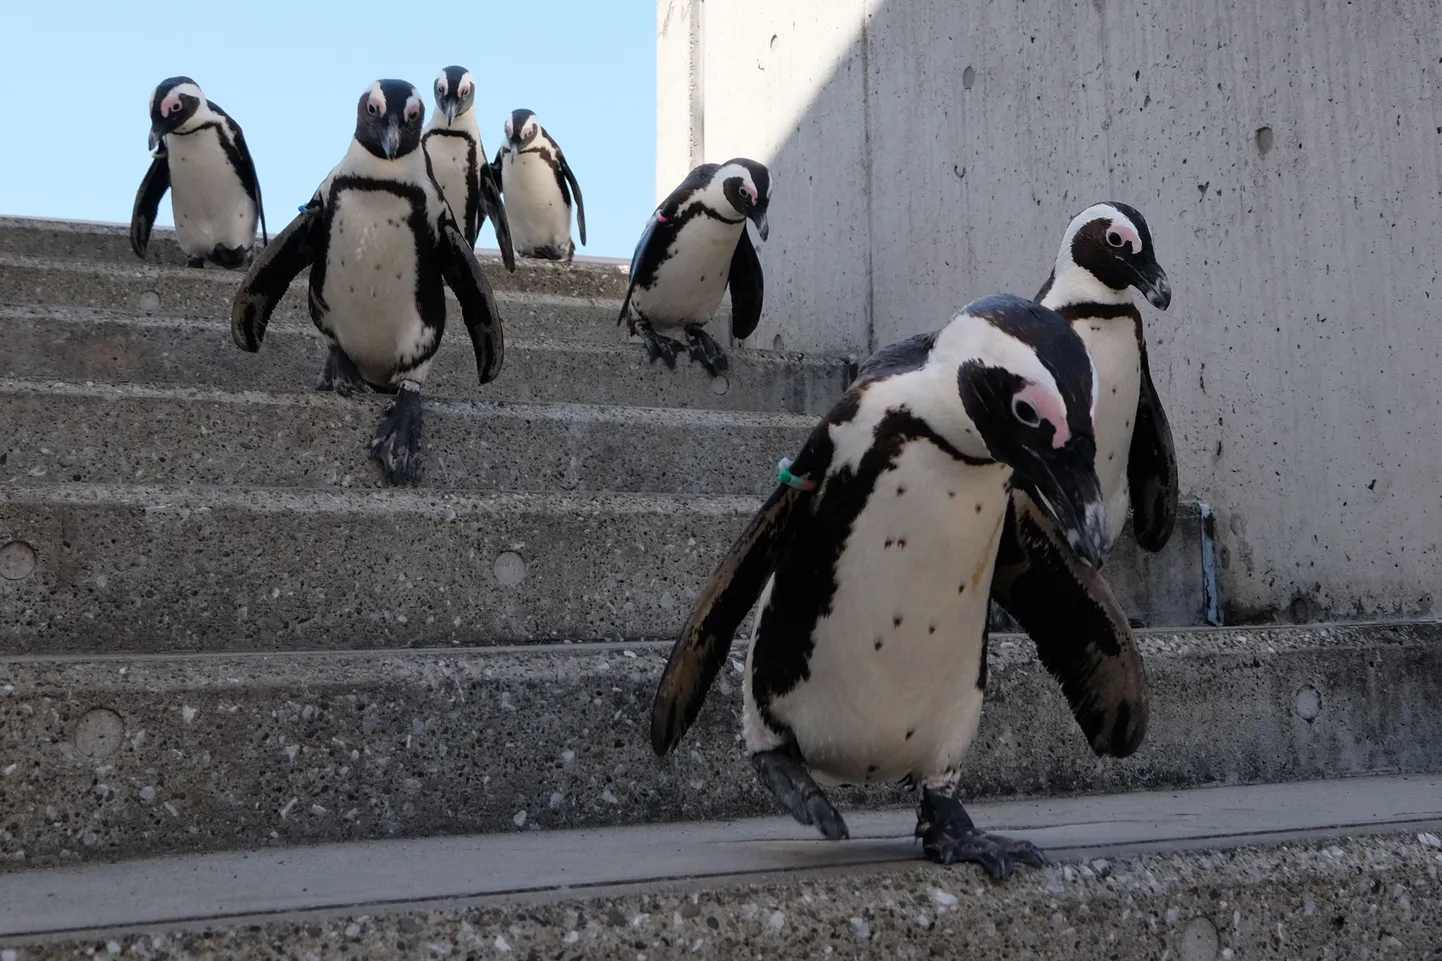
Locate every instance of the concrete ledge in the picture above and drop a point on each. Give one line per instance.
(1140, 876)
(120, 757)
(110, 243)
(157, 435)
(65, 345)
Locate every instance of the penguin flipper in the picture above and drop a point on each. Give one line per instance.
(492, 207)
(705, 641)
(1151, 467)
(575, 189)
(147, 202)
(642, 252)
(270, 275)
(747, 287)
(245, 166)
(1082, 636)
(478, 304)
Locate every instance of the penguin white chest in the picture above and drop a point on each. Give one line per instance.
(1112, 343)
(537, 213)
(894, 674)
(206, 196)
(692, 279)
(451, 163)
(370, 283)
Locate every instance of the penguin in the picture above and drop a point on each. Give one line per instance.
(379, 241)
(694, 246)
(457, 160)
(199, 154)
(1106, 253)
(873, 560)
(538, 185)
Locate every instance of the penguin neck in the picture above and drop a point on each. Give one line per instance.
(1072, 284)
(360, 162)
(203, 115)
(464, 123)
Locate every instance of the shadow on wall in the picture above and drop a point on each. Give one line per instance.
(1286, 157)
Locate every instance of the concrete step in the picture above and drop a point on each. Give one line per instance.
(113, 757)
(190, 569)
(80, 345)
(180, 435)
(101, 243)
(206, 295)
(1329, 869)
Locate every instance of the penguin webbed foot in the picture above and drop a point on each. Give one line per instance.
(341, 375)
(948, 836)
(231, 258)
(551, 252)
(197, 263)
(396, 443)
(659, 347)
(785, 775)
(705, 351)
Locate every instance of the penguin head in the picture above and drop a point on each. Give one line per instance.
(1111, 242)
(455, 92)
(389, 118)
(1029, 390)
(172, 105)
(747, 187)
(521, 129)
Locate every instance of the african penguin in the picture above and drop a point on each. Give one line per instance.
(457, 158)
(873, 561)
(1067, 609)
(538, 184)
(200, 156)
(379, 241)
(694, 246)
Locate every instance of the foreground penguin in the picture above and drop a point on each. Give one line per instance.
(694, 246)
(457, 159)
(538, 184)
(379, 241)
(874, 560)
(1106, 253)
(200, 156)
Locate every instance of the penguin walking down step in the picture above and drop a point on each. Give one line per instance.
(457, 159)
(695, 246)
(380, 242)
(200, 156)
(1106, 252)
(873, 562)
(539, 186)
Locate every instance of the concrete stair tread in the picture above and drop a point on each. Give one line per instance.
(387, 877)
(119, 756)
(197, 435)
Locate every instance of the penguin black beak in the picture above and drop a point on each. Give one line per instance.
(448, 107)
(763, 227)
(1065, 484)
(1152, 281)
(155, 134)
(391, 140)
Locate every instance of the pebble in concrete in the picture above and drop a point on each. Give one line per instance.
(149, 302)
(17, 561)
(1309, 703)
(510, 568)
(98, 734)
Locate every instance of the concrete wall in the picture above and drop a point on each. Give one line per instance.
(1285, 153)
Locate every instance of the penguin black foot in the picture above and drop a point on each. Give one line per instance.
(948, 836)
(659, 347)
(1136, 623)
(551, 252)
(231, 258)
(340, 375)
(397, 440)
(705, 351)
(197, 262)
(784, 773)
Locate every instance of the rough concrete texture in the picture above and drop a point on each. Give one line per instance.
(942, 147)
(590, 277)
(155, 435)
(79, 345)
(208, 569)
(1377, 898)
(118, 757)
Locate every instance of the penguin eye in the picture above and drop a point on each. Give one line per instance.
(1025, 412)
(1114, 238)
(372, 109)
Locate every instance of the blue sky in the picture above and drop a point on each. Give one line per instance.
(291, 73)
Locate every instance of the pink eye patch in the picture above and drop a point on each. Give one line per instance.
(1049, 408)
(1130, 238)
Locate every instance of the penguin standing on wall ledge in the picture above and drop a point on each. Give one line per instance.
(1068, 610)
(695, 246)
(200, 156)
(873, 562)
(539, 185)
(380, 242)
(457, 159)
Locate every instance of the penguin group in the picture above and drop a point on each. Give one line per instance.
(992, 460)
